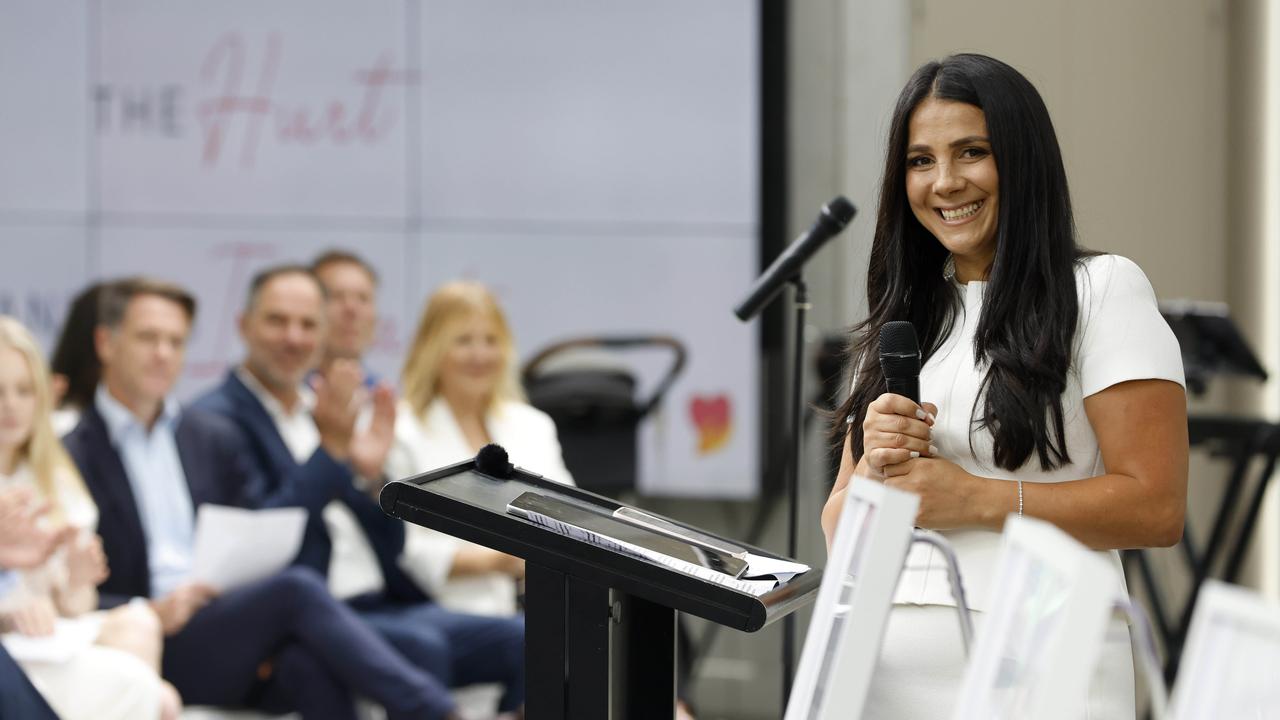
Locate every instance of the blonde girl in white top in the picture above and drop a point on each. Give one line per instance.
(117, 676)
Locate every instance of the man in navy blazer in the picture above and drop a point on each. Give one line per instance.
(281, 644)
(293, 443)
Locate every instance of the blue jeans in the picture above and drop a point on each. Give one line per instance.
(457, 648)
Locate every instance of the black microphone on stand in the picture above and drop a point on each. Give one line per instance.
(900, 359)
(834, 216)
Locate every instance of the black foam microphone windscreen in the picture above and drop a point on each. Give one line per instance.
(492, 461)
(900, 359)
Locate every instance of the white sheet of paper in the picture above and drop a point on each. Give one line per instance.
(235, 547)
(69, 637)
(759, 566)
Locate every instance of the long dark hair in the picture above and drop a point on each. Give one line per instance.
(1029, 312)
(74, 357)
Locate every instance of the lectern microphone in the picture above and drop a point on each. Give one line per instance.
(492, 461)
(834, 216)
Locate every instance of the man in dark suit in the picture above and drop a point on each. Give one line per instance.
(349, 539)
(279, 644)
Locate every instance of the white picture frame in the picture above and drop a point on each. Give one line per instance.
(853, 603)
(1040, 639)
(1229, 662)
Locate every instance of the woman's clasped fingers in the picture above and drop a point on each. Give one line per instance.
(896, 430)
(896, 414)
(893, 404)
(883, 458)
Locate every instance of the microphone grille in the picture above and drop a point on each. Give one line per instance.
(898, 337)
(840, 210)
(899, 349)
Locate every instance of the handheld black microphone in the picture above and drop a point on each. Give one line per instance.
(900, 359)
(834, 216)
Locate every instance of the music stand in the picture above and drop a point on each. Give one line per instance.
(1211, 343)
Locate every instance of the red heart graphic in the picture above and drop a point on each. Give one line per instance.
(711, 415)
(710, 411)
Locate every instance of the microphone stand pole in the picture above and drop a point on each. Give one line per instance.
(800, 300)
(787, 268)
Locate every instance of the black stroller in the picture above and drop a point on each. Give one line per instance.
(591, 395)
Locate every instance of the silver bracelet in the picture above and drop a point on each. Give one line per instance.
(1019, 498)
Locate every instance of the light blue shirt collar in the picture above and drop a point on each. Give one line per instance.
(153, 466)
(120, 420)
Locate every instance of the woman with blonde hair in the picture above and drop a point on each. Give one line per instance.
(461, 393)
(117, 676)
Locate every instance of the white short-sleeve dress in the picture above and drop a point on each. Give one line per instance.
(1120, 336)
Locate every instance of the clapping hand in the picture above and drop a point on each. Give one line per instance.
(337, 406)
(24, 543)
(370, 446)
(86, 562)
(340, 395)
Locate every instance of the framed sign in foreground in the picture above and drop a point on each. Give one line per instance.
(848, 622)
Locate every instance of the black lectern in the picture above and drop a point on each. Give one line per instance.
(600, 624)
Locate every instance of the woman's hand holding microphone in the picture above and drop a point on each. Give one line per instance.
(898, 450)
(898, 446)
(896, 430)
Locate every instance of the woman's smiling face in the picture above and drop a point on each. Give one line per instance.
(952, 183)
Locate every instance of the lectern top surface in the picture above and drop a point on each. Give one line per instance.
(461, 501)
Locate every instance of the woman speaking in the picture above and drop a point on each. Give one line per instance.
(1054, 388)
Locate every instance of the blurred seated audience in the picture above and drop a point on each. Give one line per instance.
(282, 644)
(74, 363)
(461, 393)
(302, 439)
(117, 677)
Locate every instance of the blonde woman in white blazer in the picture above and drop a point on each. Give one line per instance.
(460, 393)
